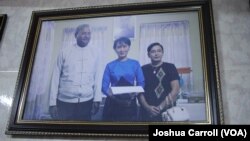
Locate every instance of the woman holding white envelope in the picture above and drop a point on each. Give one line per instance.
(121, 72)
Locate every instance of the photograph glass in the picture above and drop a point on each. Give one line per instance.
(116, 73)
(178, 33)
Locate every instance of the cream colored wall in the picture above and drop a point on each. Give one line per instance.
(232, 28)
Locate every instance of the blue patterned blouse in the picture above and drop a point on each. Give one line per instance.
(130, 70)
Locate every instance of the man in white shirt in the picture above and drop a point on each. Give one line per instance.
(75, 91)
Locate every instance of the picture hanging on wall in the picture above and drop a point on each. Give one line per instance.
(81, 76)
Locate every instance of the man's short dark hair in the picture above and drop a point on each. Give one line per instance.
(154, 44)
(80, 27)
(122, 40)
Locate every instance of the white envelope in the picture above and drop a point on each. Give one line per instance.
(126, 89)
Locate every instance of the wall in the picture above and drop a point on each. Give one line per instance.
(232, 26)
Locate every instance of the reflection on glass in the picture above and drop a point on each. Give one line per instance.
(5, 100)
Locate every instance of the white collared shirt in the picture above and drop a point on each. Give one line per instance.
(76, 76)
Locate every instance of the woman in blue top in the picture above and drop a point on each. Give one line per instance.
(121, 72)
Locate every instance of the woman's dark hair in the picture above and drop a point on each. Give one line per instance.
(122, 40)
(154, 44)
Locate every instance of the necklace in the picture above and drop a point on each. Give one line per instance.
(154, 72)
(155, 67)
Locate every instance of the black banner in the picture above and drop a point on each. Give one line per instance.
(217, 132)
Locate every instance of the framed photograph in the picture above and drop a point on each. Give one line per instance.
(71, 61)
(3, 19)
